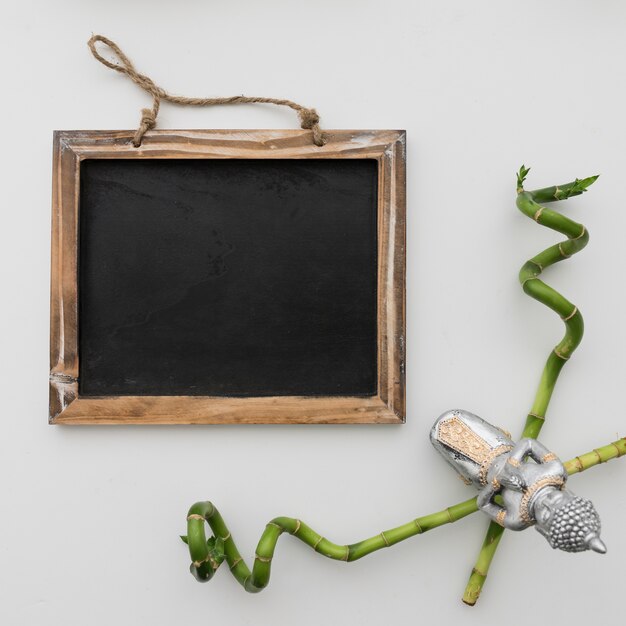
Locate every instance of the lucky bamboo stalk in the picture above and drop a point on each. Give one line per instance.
(208, 555)
(529, 203)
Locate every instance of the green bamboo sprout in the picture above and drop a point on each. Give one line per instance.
(529, 203)
(208, 555)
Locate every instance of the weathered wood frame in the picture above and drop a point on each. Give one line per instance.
(71, 147)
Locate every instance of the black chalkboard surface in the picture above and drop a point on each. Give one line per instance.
(228, 277)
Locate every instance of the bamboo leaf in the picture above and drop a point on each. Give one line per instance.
(521, 177)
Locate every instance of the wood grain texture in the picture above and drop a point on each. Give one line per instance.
(71, 147)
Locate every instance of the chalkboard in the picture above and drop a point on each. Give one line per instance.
(211, 277)
(239, 277)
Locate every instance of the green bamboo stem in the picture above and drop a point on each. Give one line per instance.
(528, 202)
(207, 556)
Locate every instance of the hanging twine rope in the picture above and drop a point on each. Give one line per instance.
(309, 119)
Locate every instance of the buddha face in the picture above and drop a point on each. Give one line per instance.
(547, 503)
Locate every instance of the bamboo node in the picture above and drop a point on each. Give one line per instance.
(581, 234)
(539, 417)
(235, 563)
(538, 214)
(225, 538)
(195, 516)
(347, 555)
(561, 356)
(317, 543)
(382, 534)
(563, 254)
(295, 532)
(419, 528)
(529, 278)
(201, 561)
(569, 317)
(263, 559)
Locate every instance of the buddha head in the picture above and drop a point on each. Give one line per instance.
(567, 521)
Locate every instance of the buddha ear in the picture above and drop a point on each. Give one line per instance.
(543, 516)
(596, 544)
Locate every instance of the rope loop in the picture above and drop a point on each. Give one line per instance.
(309, 118)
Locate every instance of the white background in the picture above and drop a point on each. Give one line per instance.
(90, 517)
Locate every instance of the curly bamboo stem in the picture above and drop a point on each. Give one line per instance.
(207, 556)
(528, 202)
(205, 561)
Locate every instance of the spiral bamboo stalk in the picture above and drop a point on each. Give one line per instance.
(528, 202)
(208, 555)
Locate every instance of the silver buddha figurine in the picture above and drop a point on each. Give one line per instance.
(532, 493)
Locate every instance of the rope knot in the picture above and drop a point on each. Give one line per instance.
(148, 122)
(308, 118)
(148, 118)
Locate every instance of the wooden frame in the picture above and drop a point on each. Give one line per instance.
(71, 147)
